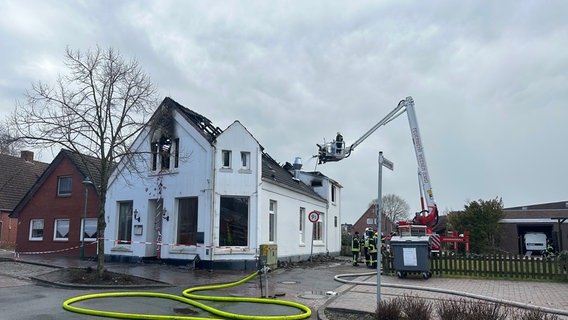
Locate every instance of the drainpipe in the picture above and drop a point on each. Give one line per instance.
(212, 218)
(259, 193)
(327, 226)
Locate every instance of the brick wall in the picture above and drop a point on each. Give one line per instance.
(8, 230)
(47, 205)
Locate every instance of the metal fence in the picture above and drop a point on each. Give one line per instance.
(493, 266)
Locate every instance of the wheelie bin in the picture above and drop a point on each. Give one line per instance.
(411, 254)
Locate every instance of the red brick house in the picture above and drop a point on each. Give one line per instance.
(369, 220)
(17, 176)
(50, 215)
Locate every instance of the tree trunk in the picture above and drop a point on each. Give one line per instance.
(101, 226)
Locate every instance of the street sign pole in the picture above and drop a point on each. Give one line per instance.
(313, 217)
(389, 165)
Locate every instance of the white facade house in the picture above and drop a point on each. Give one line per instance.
(196, 193)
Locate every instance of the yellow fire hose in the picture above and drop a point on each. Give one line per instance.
(188, 298)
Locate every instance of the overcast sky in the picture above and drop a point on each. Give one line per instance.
(489, 79)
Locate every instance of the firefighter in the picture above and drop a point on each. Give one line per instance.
(373, 245)
(384, 248)
(356, 248)
(367, 236)
(549, 252)
(338, 143)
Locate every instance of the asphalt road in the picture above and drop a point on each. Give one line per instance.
(22, 298)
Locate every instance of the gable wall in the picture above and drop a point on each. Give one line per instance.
(46, 205)
(191, 179)
(386, 225)
(237, 181)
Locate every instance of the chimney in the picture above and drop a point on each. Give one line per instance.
(297, 167)
(27, 155)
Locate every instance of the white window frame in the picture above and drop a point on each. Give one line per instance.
(55, 229)
(91, 220)
(226, 159)
(272, 208)
(128, 215)
(333, 194)
(320, 224)
(302, 227)
(245, 160)
(64, 194)
(31, 237)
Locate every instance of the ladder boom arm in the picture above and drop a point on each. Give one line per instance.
(429, 215)
(388, 118)
(336, 150)
(426, 184)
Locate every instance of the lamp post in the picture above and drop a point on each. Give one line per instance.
(86, 182)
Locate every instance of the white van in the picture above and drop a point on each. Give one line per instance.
(535, 241)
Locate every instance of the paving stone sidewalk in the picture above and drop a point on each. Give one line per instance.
(546, 295)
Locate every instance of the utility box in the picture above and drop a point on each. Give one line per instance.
(411, 254)
(269, 255)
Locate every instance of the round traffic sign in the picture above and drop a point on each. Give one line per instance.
(313, 216)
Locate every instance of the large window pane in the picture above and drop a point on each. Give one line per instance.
(234, 221)
(187, 221)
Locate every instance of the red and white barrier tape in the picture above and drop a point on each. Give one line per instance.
(18, 253)
(129, 242)
(172, 244)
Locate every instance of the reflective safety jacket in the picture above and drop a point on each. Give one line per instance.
(356, 243)
(373, 245)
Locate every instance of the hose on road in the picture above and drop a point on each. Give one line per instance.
(188, 298)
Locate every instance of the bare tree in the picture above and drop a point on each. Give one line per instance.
(394, 208)
(96, 110)
(8, 143)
